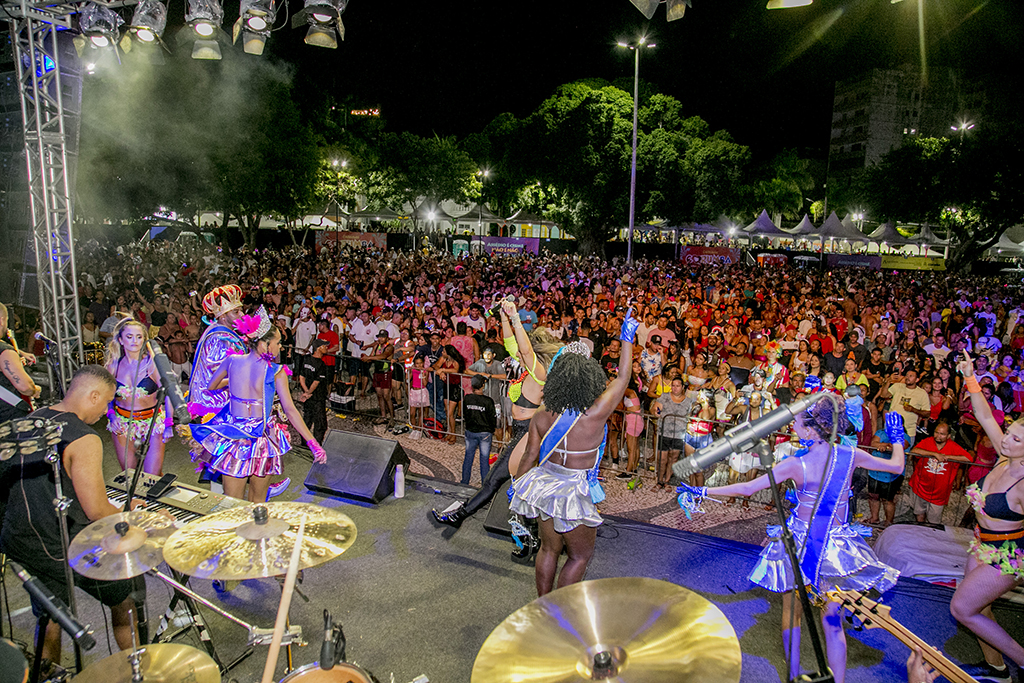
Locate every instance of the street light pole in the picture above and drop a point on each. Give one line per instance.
(642, 43)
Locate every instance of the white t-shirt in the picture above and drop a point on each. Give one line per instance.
(363, 334)
(305, 332)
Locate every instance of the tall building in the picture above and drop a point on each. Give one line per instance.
(874, 113)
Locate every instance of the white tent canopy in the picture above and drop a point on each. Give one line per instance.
(764, 227)
(804, 227)
(833, 228)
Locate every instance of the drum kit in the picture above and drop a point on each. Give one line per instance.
(617, 629)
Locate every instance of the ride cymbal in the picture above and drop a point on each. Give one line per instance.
(254, 541)
(622, 629)
(161, 663)
(120, 546)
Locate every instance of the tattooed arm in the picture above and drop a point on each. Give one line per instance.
(10, 364)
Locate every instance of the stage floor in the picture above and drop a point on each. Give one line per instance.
(416, 599)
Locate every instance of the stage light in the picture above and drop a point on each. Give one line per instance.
(148, 23)
(324, 20)
(787, 4)
(204, 18)
(99, 26)
(255, 19)
(674, 9)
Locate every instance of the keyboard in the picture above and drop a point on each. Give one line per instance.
(183, 501)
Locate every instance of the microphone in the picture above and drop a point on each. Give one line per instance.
(170, 383)
(56, 608)
(493, 310)
(742, 437)
(43, 338)
(327, 648)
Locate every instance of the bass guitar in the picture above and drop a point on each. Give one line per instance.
(876, 615)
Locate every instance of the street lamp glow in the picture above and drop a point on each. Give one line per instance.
(642, 42)
(622, 44)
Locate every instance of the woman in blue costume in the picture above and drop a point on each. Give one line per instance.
(995, 564)
(246, 439)
(557, 479)
(831, 552)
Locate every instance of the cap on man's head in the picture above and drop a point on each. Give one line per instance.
(317, 343)
(655, 339)
(382, 333)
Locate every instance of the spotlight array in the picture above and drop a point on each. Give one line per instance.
(100, 26)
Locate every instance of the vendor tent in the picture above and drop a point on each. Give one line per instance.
(928, 237)
(804, 227)
(834, 229)
(887, 233)
(763, 227)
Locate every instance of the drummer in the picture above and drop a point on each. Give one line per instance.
(31, 532)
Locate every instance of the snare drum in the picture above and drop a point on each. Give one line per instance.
(341, 673)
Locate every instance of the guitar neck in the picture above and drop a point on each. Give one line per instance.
(931, 655)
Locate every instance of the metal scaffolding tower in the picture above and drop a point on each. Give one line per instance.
(34, 33)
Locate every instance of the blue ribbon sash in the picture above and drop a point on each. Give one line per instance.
(554, 436)
(833, 489)
(236, 431)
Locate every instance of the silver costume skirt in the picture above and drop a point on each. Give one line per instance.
(849, 562)
(551, 491)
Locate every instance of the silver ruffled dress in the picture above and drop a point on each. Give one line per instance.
(848, 562)
(551, 491)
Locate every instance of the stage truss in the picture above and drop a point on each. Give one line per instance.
(34, 30)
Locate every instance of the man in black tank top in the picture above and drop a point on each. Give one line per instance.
(31, 530)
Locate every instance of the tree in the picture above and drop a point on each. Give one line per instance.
(973, 186)
(432, 167)
(782, 184)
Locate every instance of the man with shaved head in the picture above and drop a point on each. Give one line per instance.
(31, 533)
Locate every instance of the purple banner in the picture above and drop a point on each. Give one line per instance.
(510, 246)
(873, 261)
(709, 255)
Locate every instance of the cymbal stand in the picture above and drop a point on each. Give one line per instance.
(257, 635)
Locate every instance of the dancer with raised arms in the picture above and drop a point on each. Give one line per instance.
(831, 552)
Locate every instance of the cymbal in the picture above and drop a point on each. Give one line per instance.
(161, 663)
(120, 546)
(622, 629)
(253, 541)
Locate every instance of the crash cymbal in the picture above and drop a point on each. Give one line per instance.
(120, 546)
(253, 541)
(625, 629)
(162, 663)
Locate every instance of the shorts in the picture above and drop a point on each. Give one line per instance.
(398, 372)
(418, 398)
(382, 380)
(354, 365)
(884, 490)
(932, 512)
(698, 440)
(670, 444)
(453, 392)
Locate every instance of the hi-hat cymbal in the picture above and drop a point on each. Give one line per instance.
(254, 541)
(624, 629)
(161, 663)
(120, 546)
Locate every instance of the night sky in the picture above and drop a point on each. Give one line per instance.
(766, 76)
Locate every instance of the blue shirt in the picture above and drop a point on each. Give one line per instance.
(886, 477)
(529, 319)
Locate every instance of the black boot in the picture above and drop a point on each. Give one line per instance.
(525, 554)
(451, 518)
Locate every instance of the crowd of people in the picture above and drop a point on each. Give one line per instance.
(715, 345)
(527, 348)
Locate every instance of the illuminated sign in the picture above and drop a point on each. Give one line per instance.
(365, 112)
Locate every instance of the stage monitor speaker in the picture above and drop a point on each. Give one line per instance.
(497, 514)
(358, 466)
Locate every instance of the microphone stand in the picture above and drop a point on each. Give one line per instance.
(61, 503)
(139, 589)
(824, 674)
